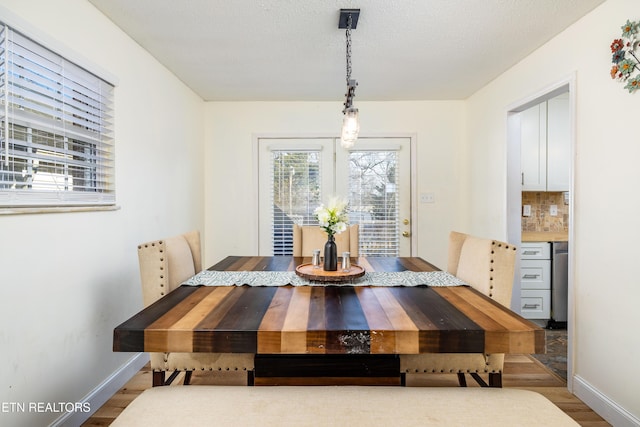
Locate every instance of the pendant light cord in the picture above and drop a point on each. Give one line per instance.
(349, 23)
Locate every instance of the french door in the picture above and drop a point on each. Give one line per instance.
(297, 175)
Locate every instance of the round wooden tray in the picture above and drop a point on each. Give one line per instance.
(319, 275)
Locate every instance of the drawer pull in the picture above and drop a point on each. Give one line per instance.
(530, 252)
(530, 306)
(530, 276)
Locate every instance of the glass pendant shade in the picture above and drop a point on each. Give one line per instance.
(350, 128)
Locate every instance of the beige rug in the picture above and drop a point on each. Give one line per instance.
(340, 406)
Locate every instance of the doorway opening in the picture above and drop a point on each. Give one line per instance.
(515, 181)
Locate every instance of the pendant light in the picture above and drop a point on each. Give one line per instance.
(351, 121)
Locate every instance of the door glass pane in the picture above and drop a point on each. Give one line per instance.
(295, 194)
(374, 201)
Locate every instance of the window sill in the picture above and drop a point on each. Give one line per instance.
(56, 209)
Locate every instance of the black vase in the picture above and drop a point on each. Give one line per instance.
(330, 255)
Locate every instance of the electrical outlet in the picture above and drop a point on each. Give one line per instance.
(553, 210)
(427, 198)
(526, 210)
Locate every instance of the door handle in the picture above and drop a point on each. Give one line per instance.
(405, 234)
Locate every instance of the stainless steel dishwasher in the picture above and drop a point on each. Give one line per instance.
(559, 285)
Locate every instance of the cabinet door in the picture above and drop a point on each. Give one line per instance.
(533, 157)
(558, 144)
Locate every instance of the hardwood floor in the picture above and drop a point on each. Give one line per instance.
(521, 371)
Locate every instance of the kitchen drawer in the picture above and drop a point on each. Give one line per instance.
(535, 250)
(535, 304)
(535, 274)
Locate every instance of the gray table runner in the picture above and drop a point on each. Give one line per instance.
(281, 278)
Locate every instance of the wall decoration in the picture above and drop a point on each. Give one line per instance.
(626, 66)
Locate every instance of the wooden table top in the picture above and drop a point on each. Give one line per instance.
(327, 319)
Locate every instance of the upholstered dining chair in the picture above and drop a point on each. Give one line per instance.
(164, 265)
(488, 266)
(306, 238)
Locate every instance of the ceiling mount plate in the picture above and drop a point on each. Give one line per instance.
(344, 16)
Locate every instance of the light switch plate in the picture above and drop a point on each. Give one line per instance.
(553, 210)
(526, 210)
(427, 198)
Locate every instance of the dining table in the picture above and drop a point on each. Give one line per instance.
(299, 325)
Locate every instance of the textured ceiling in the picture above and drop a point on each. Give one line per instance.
(292, 50)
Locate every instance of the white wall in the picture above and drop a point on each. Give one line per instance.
(67, 279)
(231, 193)
(606, 347)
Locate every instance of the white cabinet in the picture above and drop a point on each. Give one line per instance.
(545, 146)
(558, 144)
(535, 280)
(533, 148)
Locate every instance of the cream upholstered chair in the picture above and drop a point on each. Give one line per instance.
(306, 238)
(488, 266)
(164, 265)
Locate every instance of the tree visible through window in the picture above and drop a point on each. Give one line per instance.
(372, 194)
(374, 201)
(296, 194)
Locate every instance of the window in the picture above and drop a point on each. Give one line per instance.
(56, 131)
(296, 194)
(374, 201)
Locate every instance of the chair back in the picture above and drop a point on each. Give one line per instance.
(487, 265)
(306, 238)
(456, 241)
(165, 264)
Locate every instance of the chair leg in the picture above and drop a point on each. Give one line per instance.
(495, 379)
(187, 377)
(158, 378)
(172, 377)
(462, 380)
(479, 379)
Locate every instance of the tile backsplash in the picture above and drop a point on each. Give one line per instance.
(540, 219)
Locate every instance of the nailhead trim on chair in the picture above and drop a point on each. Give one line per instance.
(161, 268)
(488, 368)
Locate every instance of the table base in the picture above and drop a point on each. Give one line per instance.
(326, 369)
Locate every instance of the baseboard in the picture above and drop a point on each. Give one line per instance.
(613, 413)
(104, 391)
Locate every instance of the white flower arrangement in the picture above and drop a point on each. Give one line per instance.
(334, 217)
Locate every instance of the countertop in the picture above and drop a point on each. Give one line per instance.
(545, 236)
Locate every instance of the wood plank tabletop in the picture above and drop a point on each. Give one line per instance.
(331, 319)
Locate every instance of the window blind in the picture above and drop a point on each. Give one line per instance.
(56, 128)
(374, 201)
(296, 193)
